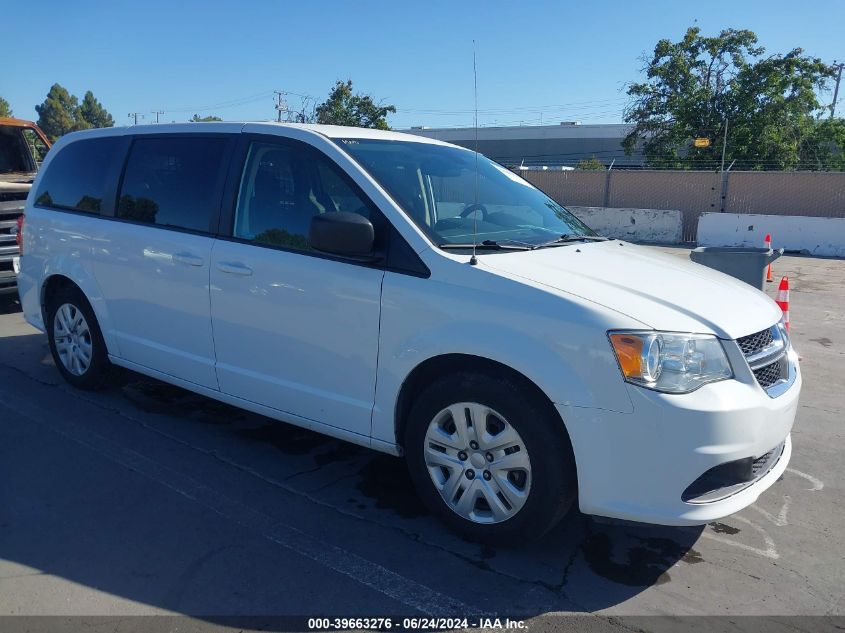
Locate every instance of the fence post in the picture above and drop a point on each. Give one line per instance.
(606, 202)
(725, 175)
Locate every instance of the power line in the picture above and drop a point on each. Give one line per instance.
(136, 116)
(231, 103)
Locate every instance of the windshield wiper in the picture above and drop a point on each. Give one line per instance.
(492, 245)
(516, 245)
(571, 237)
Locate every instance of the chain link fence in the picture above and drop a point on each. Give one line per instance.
(819, 194)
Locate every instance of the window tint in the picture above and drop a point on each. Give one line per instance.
(283, 187)
(173, 181)
(82, 175)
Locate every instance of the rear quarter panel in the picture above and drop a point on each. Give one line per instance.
(64, 243)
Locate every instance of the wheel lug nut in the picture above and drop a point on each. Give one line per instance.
(462, 456)
(489, 457)
(473, 445)
(487, 475)
(470, 474)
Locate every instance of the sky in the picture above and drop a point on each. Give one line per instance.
(537, 62)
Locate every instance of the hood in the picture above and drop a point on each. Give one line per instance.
(662, 291)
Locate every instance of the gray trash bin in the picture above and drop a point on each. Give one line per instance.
(747, 264)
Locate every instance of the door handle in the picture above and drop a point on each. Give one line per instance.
(234, 268)
(188, 259)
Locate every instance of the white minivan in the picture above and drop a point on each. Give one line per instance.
(417, 298)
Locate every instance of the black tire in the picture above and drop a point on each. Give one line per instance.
(553, 477)
(99, 372)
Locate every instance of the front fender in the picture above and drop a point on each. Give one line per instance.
(559, 345)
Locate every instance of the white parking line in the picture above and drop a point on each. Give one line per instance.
(818, 484)
(770, 551)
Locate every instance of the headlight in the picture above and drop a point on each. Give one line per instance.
(672, 363)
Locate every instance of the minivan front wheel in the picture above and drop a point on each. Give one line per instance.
(478, 462)
(489, 458)
(76, 342)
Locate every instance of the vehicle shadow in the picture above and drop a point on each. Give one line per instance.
(585, 564)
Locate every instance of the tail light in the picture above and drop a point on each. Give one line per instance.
(19, 234)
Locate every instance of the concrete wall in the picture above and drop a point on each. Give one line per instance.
(814, 194)
(814, 236)
(635, 225)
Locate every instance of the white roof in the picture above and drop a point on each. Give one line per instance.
(270, 127)
(341, 131)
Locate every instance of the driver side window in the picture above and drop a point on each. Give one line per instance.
(282, 188)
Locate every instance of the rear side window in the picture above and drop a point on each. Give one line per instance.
(81, 176)
(173, 181)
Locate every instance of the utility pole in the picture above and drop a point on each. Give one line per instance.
(281, 105)
(723, 194)
(836, 90)
(136, 116)
(157, 113)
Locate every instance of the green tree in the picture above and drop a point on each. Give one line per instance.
(5, 108)
(58, 114)
(700, 86)
(203, 119)
(590, 164)
(343, 107)
(91, 113)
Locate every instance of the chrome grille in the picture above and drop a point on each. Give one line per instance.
(765, 352)
(11, 206)
(768, 374)
(753, 343)
(9, 214)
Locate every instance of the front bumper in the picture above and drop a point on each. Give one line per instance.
(637, 466)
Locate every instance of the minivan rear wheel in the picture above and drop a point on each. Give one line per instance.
(76, 341)
(489, 458)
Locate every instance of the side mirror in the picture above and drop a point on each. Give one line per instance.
(342, 233)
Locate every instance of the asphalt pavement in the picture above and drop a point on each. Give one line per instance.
(147, 499)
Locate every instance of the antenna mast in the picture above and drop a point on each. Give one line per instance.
(473, 260)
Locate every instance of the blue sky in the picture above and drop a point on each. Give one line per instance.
(555, 60)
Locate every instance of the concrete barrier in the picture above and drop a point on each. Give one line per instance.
(655, 226)
(810, 235)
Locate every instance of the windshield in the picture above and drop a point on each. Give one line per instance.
(441, 190)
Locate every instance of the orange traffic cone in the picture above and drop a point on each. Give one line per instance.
(783, 299)
(768, 244)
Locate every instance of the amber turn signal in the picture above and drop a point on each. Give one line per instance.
(629, 352)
